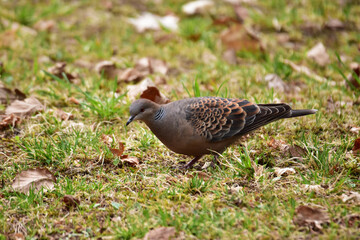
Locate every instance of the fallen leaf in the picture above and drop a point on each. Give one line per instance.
(305, 70)
(45, 25)
(241, 13)
(352, 219)
(35, 179)
(73, 100)
(153, 94)
(239, 38)
(160, 233)
(354, 76)
(278, 144)
(147, 89)
(24, 108)
(199, 174)
(313, 188)
(118, 152)
(151, 65)
(63, 115)
(355, 130)
(71, 202)
(196, 7)
(107, 68)
(108, 140)
(310, 217)
(319, 55)
(18, 236)
(8, 96)
(131, 75)
(130, 160)
(335, 24)
(59, 69)
(297, 151)
(356, 148)
(7, 121)
(284, 171)
(143, 67)
(350, 196)
(275, 82)
(70, 126)
(230, 56)
(149, 21)
(258, 170)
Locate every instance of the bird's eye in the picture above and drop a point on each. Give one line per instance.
(142, 110)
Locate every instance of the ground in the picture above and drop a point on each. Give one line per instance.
(99, 193)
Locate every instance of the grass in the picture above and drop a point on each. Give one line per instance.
(242, 199)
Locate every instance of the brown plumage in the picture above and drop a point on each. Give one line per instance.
(207, 125)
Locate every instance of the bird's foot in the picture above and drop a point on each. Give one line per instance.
(215, 162)
(188, 165)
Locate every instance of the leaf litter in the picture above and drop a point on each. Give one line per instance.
(36, 179)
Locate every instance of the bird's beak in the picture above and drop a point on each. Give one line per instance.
(131, 118)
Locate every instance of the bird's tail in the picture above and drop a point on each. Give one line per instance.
(300, 112)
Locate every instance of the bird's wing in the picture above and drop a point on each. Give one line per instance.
(267, 114)
(220, 118)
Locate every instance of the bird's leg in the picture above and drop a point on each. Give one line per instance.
(215, 161)
(191, 163)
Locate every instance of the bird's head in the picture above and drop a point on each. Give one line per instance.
(142, 109)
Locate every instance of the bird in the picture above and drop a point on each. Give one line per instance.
(207, 125)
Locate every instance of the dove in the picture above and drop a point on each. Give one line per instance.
(207, 125)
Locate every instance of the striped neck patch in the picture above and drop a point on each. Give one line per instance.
(159, 114)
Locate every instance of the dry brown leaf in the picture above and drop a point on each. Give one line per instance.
(131, 75)
(284, 171)
(335, 24)
(70, 202)
(275, 82)
(45, 25)
(160, 233)
(197, 7)
(297, 151)
(278, 144)
(230, 56)
(151, 65)
(153, 94)
(352, 78)
(107, 68)
(319, 55)
(18, 236)
(313, 188)
(7, 121)
(59, 69)
(310, 217)
(356, 148)
(24, 108)
(35, 179)
(130, 160)
(304, 70)
(8, 96)
(355, 130)
(239, 38)
(354, 196)
(73, 100)
(118, 152)
(241, 13)
(108, 140)
(146, 86)
(199, 174)
(149, 21)
(63, 115)
(352, 219)
(143, 67)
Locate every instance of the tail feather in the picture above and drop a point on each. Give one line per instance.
(300, 112)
